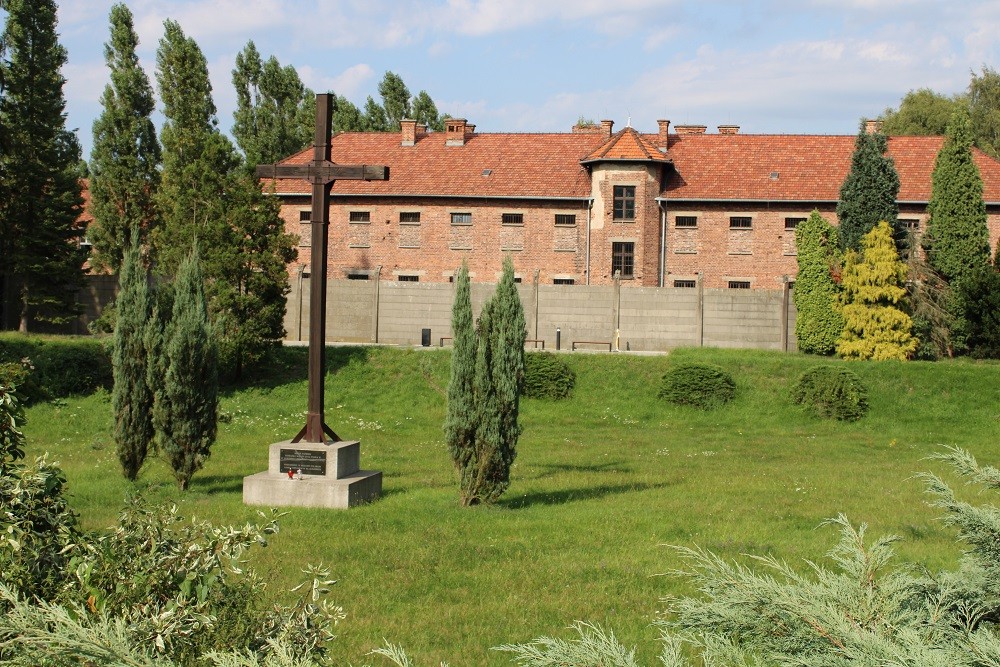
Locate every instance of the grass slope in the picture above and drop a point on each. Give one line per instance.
(602, 482)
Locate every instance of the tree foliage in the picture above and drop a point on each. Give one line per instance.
(868, 194)
(921, 112)
(875, 326)
(395, 99)
(185, 407)
(460, 423)
(40, 254)
(818, 321)
(132, 397)
(984, 106)
(124, 162)
(426, 112)
(977, 305)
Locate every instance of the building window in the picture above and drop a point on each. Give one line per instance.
(740, 222)
(461, 218)
(409, 217)
(792, 223)
(911, 224)
(563, 281)
(357, 276)
(565, 220)
(359, 216)
(408, 278)
(305, 216)
(512, 218)
(624, 202)
(622, 259)
(517, 279)
(686, 221)
(685, 283)
(739, 284)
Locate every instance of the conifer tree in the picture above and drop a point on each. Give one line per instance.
(818, 321)
(375, 118)
(395, 99)
(346, 116)
(185, 409)
(275, 112)
(868, 194)
(40, 254)
(957, 238)
(124, 163)
(876, 327)
(131, 396)
(426, 112)
(460, 424)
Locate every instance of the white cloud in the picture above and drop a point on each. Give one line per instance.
(483, 17)
(348, 83)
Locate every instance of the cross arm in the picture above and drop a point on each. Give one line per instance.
(326, 172)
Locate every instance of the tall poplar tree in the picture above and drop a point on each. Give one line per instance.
(957, 239)
(131, 396)
(124, 163)
(185, 409)
(460, 424)
(275, 113)
(426, 112)
(876, 327)
(40, 256)
(868, 194)
(395, 99)
(818, 322)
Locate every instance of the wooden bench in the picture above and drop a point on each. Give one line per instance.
(591, 342)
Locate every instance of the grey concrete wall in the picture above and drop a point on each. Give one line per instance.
(743, 318)
(654, 318)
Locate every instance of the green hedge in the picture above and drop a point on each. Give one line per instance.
(832, 391)
(58, 366)
(547, 376)
(699, 385)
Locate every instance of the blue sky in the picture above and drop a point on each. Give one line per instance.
(770, 66)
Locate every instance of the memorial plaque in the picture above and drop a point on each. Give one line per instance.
(310, 462)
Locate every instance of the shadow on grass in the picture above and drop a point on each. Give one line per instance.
(213, 484)
(550, 469)
(285, 365)
(574, 495)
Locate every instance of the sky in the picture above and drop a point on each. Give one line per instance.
(769, 66)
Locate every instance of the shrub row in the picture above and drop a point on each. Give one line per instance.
(59, 366)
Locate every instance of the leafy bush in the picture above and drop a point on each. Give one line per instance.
(63, 366)
(832, 391)
(699, 385)
(547, 376)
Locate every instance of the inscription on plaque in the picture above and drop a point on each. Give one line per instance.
(310, 462)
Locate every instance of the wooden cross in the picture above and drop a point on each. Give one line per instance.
(322, 173)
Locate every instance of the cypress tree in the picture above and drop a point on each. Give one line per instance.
(40, 254)
(186, 406)
(875, 325)
(460, 424)
(124, 163)
(957, 237)
(131, 397)
(818, 321)
(868, 194)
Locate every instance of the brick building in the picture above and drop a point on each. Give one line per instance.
(578, 207)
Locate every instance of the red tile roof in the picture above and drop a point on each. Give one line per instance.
(627, 145)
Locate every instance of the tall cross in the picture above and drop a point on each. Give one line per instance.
(322, 173)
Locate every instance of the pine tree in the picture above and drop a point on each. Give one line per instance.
(460, 424)
(395, 99)
(818, 321)
(185, 409)
(40, 254)
(957, 238)
(868, 194)
(275, 113)
(131, 397)
(124, 163)
(875, 325)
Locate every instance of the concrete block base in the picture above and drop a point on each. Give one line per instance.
(265, 488)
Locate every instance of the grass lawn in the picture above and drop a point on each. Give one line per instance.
(602, 483)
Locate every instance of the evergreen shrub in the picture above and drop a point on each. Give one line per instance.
(547, 376)
(63, 367)
(832, 392)
(699, 385)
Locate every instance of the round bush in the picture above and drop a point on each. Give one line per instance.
(547, 376)
(699, 385)
(832, 391)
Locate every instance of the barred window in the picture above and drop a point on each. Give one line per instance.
(685, 283)
(563, 281)
(461, 218)
(622, 259)
(408, 278)
(909, 223)
(686, 221)
(360, 216)
(740, 222)
(305, 216)
(409, 217)
(512, 218)
(565, 220)
(792, 223)
(739, 284)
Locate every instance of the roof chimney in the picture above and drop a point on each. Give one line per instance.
(691, 129)
(729, 129)
(408, 131)
(606, 126)
(873, 126)
(664, 139)
(455, 131)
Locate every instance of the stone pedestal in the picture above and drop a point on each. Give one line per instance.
(322, 475)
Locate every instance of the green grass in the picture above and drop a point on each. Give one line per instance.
(603, 481)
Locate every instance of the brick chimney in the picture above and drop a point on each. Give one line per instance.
(729, 129)
(691, 129)
(664, 138)
(420, 131)
(455, 131)
(408, 132)
(606, 126)
(873, 126)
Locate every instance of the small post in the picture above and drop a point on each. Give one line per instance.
(558, 337)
